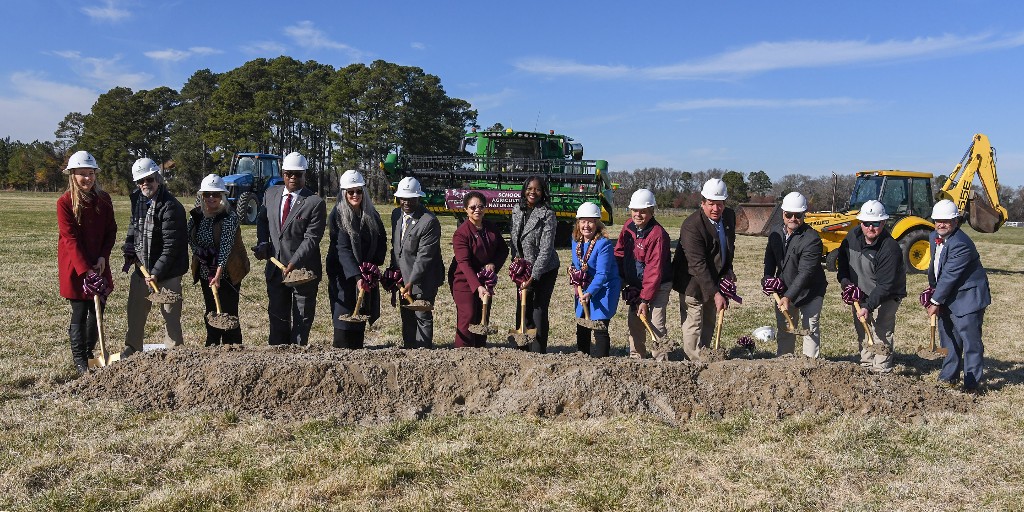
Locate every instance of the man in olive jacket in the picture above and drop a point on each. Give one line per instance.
(157, 238)
(704, 254)
(793, 258)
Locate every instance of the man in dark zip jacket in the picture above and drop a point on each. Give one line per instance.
(872, 274)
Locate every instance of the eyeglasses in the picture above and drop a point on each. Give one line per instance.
(293, 173)
(871, 223)
(354, 191)
(147, 179)
(207, 195)
(475, 207)
(793, 215)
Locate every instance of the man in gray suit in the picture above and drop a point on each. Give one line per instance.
(792, 268)
(959, 296)
(290, 226)
(416, 250)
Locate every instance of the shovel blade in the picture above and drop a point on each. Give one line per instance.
(419, 305)
(799, 332)
(594, 325)
(355, 319)
(482, 330)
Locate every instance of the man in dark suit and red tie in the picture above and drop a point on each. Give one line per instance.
(959, 294)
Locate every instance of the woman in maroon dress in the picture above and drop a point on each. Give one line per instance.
(85, 220)
(478, 245)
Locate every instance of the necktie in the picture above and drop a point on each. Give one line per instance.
(938, 256)
(286, 208)
(722, 241)
(405, 225)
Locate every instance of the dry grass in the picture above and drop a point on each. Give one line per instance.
(59, 453)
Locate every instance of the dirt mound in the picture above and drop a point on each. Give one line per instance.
(366, 386)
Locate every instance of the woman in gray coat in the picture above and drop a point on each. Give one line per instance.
(533, 240)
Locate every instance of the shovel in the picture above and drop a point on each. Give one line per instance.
(295, 277)
(159, 296)
(354, 316)
(873, 347)
(595, 325)
(484, 329)
(522, 336)
(934, 352)
(105, 357)
(790, 327)
(663, 348)
(719, 321)
(416, 304)
(219, 320)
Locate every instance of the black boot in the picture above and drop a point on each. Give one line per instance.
(348, 339)
(79, 350)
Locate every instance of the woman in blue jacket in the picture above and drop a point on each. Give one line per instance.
(595, 271)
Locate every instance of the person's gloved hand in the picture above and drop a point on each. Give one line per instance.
(926, 296)
(130, 257)
(261, 250)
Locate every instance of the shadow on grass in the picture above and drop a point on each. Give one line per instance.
(1002, 272)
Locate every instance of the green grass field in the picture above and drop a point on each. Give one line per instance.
(60, 453)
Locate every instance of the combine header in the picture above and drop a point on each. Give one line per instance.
(499, 164)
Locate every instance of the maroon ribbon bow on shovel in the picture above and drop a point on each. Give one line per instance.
(578, 278)
(96, 285)
(728, 288)
(770, 285)
(926, 297)
(489, 279)
(851, 294)
(519, 271)
(370, 275)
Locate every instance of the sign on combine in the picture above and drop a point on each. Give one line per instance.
(496, 163)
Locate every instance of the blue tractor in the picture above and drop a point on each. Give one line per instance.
(250, 176)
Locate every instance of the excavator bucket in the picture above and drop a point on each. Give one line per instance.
(757, 218)
(983, 217)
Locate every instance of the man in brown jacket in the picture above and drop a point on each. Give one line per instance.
(703, 257)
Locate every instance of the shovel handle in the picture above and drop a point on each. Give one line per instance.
(148, 276)
(359, 301)
(643, 318)
(522, 310)
(99, 331)
(933, 322)
(785, 312)
(486, 316)
(278, 263)
(863, 322)
(216, 297)
(719, 320)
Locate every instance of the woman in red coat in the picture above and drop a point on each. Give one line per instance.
(478, 245)
(85, 218)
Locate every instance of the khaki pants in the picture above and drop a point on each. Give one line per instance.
(138, 312)
(698, 319)
(883, 327)
(637, 331)
(805, 317)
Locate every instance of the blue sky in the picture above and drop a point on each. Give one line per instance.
(784, 87)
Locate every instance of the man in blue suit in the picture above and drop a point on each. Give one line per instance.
(959, 298)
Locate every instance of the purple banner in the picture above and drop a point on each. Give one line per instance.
(496, 199)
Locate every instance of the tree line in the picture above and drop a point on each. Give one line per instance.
(339, 119)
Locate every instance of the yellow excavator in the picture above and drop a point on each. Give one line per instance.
(908, 200)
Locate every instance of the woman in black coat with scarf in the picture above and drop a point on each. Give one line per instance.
(357, 237)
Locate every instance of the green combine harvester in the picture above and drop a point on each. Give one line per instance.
(497, 167)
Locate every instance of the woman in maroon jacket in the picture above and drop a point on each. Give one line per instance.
(85, 219)
(478, 245)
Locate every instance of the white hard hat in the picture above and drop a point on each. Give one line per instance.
(409, 187)
(764, 333)
(872, 211)
(945, 210)
(588, 211)
(294, 162)
(213, 183)
(715, 190)
(794, 202)
(144, 167)
(351, 179)
(79, 160)
(641, 199)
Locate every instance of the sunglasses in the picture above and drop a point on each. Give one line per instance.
(475, 207)
(293, 173)
(147, 179)
(793, 215)
(354, 191)
(207, 195)
(871, 223)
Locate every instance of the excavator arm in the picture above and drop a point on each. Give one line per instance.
(986, 214)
